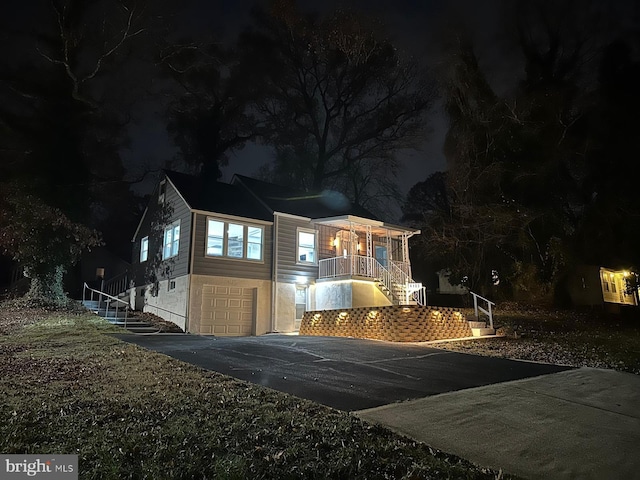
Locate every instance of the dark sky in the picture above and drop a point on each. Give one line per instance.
(415, 26)
(418, 27)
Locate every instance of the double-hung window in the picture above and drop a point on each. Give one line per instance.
(254, 243)
(215, 238)
(144, 249)
(306, 251)
(234, 240)
(171, 241)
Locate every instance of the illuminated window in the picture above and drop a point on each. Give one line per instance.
(254, 243)
(144, 249)
(215, 238)
(234, 240)
(306, 246)
(171, 241)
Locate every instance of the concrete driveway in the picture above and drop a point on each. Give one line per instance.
(344, 373)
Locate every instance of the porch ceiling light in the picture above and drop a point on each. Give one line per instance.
(335, 242)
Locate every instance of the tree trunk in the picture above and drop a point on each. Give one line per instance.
(46, 284)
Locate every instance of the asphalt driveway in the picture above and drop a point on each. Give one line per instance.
(345, 373)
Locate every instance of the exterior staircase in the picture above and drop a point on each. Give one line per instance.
(114, 310)
(480, 329)
(482, 306)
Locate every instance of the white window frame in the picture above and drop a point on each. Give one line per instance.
(225, 240)
(315, 246)
(174, 244)
(144, 249)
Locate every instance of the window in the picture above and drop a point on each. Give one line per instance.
(254, 243)
(171, 240)
(306, 246)
(215, 238)
(144, 249)
(234, 240)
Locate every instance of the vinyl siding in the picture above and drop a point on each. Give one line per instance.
(288, 270)
(179, 263)
(229, 267)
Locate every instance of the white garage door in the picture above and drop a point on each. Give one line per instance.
(227, 311)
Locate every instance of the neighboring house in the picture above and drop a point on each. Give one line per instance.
(591, 285)
(446, 288)
(250, 257)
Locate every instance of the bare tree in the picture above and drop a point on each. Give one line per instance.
(338, 90)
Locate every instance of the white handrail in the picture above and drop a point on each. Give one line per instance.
(488, 311)
(395, 279)
(110, 297)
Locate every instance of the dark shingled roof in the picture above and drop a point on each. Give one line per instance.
(251, 198)
(297, 202)
(218, 197)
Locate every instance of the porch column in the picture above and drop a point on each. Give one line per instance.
(352, 246)
(405, 252)
(389, 247)
(369, 251)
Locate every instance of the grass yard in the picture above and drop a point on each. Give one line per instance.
(576, 338)
(68, 387)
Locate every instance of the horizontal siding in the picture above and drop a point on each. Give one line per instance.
(179, 265)
(288, 269)
(228, 267)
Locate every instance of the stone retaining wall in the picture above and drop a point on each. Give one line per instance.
(395, 323)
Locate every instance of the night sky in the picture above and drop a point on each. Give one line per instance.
(419, 28)
(416, 27)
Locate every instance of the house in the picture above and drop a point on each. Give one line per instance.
(600, 286)
(249, 257)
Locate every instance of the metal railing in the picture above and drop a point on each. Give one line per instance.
(116, 285)
(395, 279)
(165, 310)
(487, 311)
(108, 300)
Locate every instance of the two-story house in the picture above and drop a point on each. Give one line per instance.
(250, 257)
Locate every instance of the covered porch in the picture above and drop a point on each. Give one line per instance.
(356, 248)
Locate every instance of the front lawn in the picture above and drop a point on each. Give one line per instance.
(568, 337)
(68, 387)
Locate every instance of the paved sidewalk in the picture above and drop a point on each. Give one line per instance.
(577, 424)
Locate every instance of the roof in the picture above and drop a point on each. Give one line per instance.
(278, 198)
(218, 197)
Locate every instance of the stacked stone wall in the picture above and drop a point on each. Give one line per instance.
(394, 323)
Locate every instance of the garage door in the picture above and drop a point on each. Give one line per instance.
(227, 311)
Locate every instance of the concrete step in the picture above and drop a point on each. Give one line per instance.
(112, 313)
(474, 324)
(90, 304)
(481, 332)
